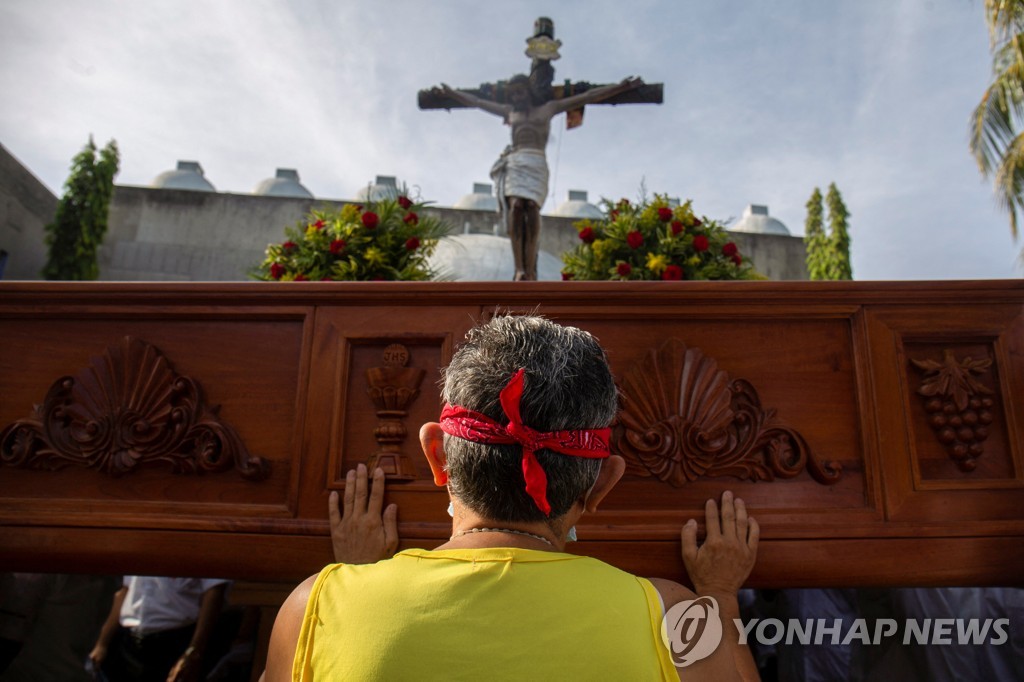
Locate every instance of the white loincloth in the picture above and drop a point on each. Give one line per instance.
(520, 173)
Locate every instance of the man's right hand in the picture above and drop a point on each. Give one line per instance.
(723, 562)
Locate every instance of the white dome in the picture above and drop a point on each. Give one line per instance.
(285, 183)
(385, 187)
(486, 258)
(188, 175)
(756, 219)
(577, 206)
(480, 200)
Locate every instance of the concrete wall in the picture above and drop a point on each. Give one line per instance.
(26, 206)
(160, 234)
(163, 234)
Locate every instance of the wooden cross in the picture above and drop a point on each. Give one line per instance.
(541, 81)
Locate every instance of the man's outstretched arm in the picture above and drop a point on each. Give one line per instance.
(472, 101)
(718, 568)
(594, 95)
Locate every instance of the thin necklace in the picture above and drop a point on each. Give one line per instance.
(501, 530)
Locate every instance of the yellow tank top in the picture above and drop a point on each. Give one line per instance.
(481, 614)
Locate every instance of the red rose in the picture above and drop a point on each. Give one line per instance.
(697, 222)
(370, 220)
(289, 246)
(319, 224)
(301, 278)
(587, 235)
(276, 270)
(624, 269)
(337, 246)
(566, 276)
(404, 203)
(677, 227)
(673, 273)
(412, 243)
(411, 218)
(729, 249)
(700, 243)
(664, 214)
(635, 239)
(613, 214)
(737, 259)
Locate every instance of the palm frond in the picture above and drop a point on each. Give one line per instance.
(991, 127)
(1004, 17)
(1009, 182)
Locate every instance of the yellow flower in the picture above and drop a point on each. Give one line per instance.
(349, 212)
(657, 263)
(694, 260)
(287, 277)
(375, 256)
(601, 247)
(311, 231)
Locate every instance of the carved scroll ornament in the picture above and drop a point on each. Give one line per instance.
(127, 409)
(958, 408)
(683, 419)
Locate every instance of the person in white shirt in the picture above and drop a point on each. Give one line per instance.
(158, 629)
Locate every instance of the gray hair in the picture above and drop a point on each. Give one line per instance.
(568, 386)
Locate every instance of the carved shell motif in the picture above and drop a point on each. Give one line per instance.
(127, 408)
(683, 419)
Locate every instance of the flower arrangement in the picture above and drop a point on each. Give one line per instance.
(654, 240)
(387, 240)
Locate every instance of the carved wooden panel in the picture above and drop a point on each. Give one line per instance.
(128, 409)
(953, 368)
(392, 388)
(960, 396)
(812, 401)
(251, 368)
(682, 418)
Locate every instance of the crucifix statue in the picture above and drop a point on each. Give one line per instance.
(527, 104)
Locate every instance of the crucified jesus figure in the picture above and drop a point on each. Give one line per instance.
(521, 173)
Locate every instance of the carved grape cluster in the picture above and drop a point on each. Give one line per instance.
(958, 410)
(961, 431)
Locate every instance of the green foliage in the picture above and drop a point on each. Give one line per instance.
(839, 267)
(996, 139)
(74, 236)
(828, 255)
(815, 239)
(653, 240)
(388, 240)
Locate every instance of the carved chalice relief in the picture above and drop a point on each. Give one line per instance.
(682, 418)
(959, 409)
(392, 388)
(128, 408)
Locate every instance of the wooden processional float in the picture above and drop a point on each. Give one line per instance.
(875, 429)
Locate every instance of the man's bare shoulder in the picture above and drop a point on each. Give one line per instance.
(672, 592)
(285, 636)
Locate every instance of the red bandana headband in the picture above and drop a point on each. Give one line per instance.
(479, 428)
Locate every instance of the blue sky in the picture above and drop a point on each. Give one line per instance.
(763, 102)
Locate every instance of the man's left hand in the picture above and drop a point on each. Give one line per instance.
(360, 532)
(186, 669)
